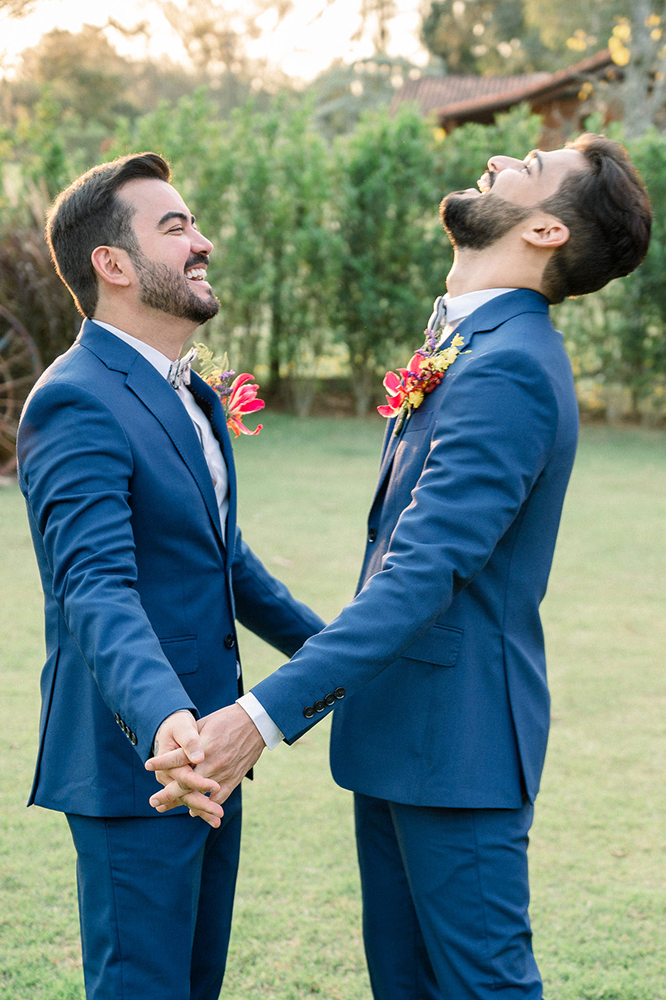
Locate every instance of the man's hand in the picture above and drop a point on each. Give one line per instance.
(232, 744)
(179, 734)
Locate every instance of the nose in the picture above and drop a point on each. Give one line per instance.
(498, 163)
(200, 244)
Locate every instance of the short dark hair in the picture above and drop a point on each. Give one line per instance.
(89, 214)
(608, 213)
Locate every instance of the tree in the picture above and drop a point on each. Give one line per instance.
(483, 36)
(343, 92)
(33, 168)
(391, 258)
(617, 337)
(576, 28)
(16, 8)
(215, 37)
(637, 43)
(381, 12)
(258, 183)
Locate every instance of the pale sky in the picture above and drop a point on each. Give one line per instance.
(303, 44)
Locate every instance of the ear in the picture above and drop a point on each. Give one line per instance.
(112, 265)
(545, 232)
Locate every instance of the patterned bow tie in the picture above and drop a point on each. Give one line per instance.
(180, 370)
(437, 321)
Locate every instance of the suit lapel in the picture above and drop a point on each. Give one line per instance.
(160, 398)
(487, 317)
(209, 401)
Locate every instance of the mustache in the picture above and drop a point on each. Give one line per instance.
(195, 259)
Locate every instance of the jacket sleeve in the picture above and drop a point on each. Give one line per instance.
(493, 435)
(76, 467)
(265, 606)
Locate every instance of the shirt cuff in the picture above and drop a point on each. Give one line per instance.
(268, 731)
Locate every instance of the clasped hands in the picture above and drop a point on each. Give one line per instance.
(200, 763)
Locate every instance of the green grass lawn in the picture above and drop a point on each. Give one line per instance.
(598, 852)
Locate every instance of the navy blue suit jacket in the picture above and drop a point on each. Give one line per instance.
(437, 667)
(140, 589)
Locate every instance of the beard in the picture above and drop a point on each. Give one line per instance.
(169, 291)
(477, 223)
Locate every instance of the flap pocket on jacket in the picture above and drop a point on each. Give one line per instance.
(440, 645)
(419, 421)
(182, 653)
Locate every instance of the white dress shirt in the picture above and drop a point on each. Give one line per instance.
(462, 306)
(211, 447)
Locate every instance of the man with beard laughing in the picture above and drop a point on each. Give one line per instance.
(437, 667)
(126, 466)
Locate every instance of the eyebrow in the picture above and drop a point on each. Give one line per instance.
(175, 215)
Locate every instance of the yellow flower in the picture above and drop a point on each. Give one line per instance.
(415, 398)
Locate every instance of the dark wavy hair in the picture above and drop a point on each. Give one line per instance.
(608, 213)
(90, 214)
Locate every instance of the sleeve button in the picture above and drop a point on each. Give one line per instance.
(319, 706)
(133, 739)
(229, 641)
(339, 693)
(308, 712)
(330, 699)
(116, 717)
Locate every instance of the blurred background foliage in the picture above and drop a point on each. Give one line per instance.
(321, 204)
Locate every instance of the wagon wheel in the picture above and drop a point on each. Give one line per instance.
(20, 366)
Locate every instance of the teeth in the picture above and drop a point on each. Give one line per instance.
(196, 273)
(483, 183)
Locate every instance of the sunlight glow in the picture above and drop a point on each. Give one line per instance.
(307, 41)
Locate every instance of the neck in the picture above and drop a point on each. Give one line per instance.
(494, 267)
(165, 333)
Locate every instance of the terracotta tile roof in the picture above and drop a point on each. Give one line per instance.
(435, 92)
(456, 96)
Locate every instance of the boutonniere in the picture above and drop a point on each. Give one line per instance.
(407, 388)
(237, 395)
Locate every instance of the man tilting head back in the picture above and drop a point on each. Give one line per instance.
(437, 668)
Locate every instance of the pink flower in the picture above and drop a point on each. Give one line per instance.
(242, 400)
(399, 386)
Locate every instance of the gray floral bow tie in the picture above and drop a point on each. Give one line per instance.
(180, 370)
(437, 320)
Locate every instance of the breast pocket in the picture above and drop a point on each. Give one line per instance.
(440, 645)
(420, 420)
(182, 653)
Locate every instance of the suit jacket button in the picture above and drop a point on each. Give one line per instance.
(330, 699)
(229, 641)
(133, 739)
(339, 693)
(308, 712)
(372, 535)
(320, 706)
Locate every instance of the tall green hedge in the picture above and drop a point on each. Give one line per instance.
(327, 257)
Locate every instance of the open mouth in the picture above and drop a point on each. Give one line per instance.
(196, 274)
(485, 182)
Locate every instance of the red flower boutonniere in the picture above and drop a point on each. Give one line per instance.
(408, 387)
(238, 397)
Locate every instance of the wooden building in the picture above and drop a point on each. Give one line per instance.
(564, 99)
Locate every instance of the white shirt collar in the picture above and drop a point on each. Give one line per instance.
(462, 306)
(156, 358)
